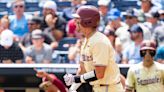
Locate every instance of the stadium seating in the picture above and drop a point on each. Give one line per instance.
(61, 52)
(31, 7)
(66, 41)
(125, 4)
(62, 5)
(3, 9)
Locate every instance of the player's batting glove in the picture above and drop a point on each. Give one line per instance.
(69, 79)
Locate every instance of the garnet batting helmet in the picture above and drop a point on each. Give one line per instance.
(148, 45)
(89, 16)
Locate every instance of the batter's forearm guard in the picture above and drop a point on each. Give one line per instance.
(86, 77)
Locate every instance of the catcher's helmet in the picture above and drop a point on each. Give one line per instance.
(148, 45)
(89, 16)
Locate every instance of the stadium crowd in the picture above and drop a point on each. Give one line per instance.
(51, 37)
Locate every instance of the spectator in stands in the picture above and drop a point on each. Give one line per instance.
(112, 37)
(160, 54)
(4, 23)
(114, 20)
(115, 24)
(158, 35)
(132, 17)
(51, 30)
(33, 23)
(18, 21)
(74, 52)
(161, 15)
(148, 6)
(116, 30)
(152, 21)
(39, 52)
(50, 82)
(50, 7)
(10, 52)
(67, 12)
(103, 6)
(71, 29)
(131, 54)
(115, 41)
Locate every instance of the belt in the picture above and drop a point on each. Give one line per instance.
(105, 84)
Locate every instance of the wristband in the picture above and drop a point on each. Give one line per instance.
(86, 77)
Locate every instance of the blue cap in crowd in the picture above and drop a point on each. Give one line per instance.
(131, 12)
(114, 14)
(152, 14)
(135, 28)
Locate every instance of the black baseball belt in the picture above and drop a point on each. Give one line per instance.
(106, 84)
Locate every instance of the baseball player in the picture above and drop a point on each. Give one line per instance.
(97, 64)
(50, 83)
(147, 76)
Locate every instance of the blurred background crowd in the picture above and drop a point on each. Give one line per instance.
(44, 31)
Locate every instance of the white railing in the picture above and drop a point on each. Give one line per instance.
(49, 65)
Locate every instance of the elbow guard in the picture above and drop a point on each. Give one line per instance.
(87, 77)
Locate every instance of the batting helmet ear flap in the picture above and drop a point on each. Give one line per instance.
(96, 20)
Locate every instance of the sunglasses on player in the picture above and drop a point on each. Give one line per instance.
(151, 52)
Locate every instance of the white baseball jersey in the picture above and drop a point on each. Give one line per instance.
(97, 50)
(144, 79)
